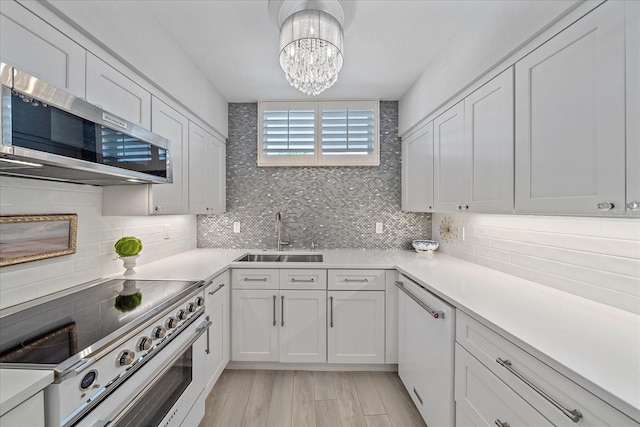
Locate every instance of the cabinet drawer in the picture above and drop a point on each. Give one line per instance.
(487, 401)
(255, 278)
(355, 280)
(522, 372)
(303, 279)
(217, 287)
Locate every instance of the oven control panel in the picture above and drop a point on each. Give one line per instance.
(96, 379)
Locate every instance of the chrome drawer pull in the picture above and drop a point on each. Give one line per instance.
(434, 313)
(248, 279)
(574, 415)
(331, 312)
(357, 280)
(274, 310)
(418, 396)
(282, 311)
(217, 289)
(502, 424)
(294, 280)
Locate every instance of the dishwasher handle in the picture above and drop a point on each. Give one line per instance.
(436, 314)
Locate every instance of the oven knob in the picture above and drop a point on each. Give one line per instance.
(191, 307)
(125, 358)
(159, 332)
(199, 301)
(172, 322)
(144, 344)
(181, 314)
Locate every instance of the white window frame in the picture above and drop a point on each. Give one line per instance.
(317, 159)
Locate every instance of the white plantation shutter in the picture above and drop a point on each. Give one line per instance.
(348, 132)
(288, 132)
(336, 133)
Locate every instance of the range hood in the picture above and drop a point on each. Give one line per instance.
(52, 135)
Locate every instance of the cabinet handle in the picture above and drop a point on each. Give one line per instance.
(282, 311)
(208, 349)
(434, 313)
(501, 423)
(419, 398)
(274, 310)
(634, 206)
(294, 280)
(249, 279)
(605, 206)
(217, 289)
(365, 280)
(574, 415)
(331, 312)
(463, 207)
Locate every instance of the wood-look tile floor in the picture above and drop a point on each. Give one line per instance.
(303, 398)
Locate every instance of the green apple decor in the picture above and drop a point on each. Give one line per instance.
(128, 249)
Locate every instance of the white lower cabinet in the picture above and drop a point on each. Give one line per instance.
(29, 413)
(217, 311)
(496, 379)
(254, 335)
(485, 400)
(303, 327)
(356, 327)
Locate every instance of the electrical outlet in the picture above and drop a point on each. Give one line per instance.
(236, 227)
(379, 227)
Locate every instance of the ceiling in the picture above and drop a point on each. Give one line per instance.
(389, 44)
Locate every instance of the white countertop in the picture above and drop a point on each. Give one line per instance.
(595, 345)
(17, 385)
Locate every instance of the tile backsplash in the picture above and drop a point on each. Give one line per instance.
(94, 257)
(342, 203)
(596, 258)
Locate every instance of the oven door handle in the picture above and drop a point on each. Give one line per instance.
(201, 329)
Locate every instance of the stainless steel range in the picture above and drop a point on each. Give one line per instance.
(143, 339)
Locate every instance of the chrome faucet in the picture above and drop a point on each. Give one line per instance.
(314, 245)
(279, 231)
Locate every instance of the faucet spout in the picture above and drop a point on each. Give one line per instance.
(279, 231)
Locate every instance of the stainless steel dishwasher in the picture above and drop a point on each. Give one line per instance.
(425, 351)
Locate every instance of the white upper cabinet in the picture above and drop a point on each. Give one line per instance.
(171, 198)
(474, 150)
(488, 129)
(207, 172)
(570, 119)
(451, 168)
(31, 45)
(116, 93)
(633, 107)
(417, 171)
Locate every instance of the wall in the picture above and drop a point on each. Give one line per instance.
(344, 203)
(94, 257)
(596, 258)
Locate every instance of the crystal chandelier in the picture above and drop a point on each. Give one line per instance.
(311, 47)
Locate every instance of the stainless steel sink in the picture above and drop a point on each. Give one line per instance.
(281, 258)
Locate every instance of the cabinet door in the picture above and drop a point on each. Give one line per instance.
(633, 107)
(417, 171)
(171, 198)
(488, 115)
(254, 319)
(452, 168)
(218, 340)
(116, 93)
(356, 327)
(31, 45)
(487, 401)
(207, 177)
(303, 327)
(570, 118)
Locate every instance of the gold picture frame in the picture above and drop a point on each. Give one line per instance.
(28, 238)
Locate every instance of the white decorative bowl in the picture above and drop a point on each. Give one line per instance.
(425, 246)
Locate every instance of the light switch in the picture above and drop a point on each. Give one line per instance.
(379, 228)
(236, 227)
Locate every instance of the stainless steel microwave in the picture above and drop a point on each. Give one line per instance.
(53, 135)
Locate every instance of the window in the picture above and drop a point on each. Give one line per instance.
(337, 133)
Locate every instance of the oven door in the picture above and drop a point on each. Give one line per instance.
(164, 391)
